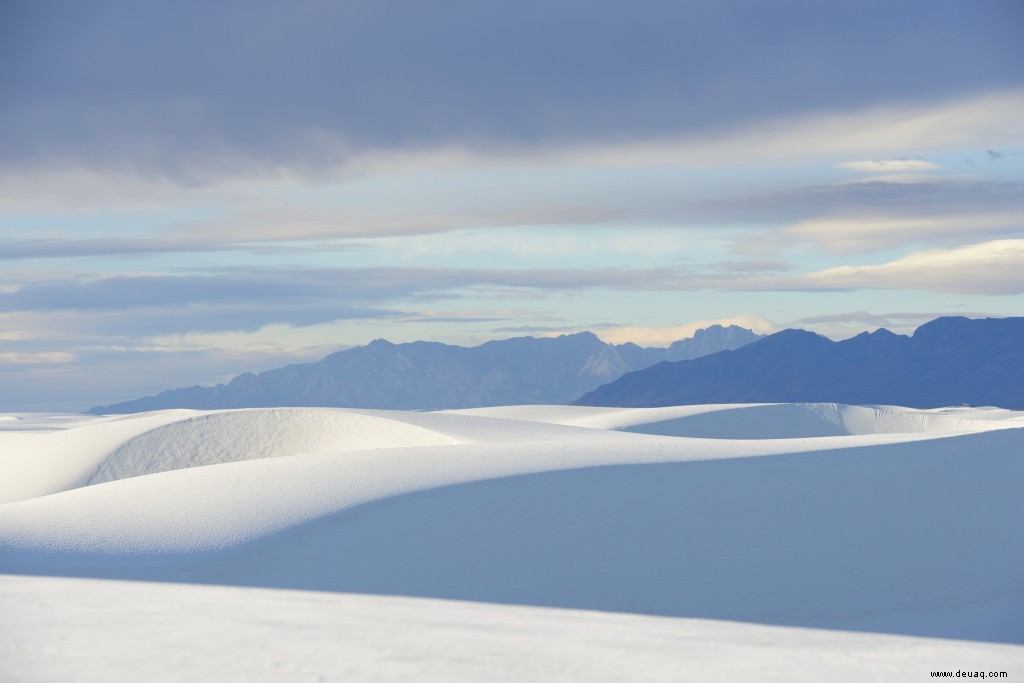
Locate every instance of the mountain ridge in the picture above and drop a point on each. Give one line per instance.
(433, 375)
(947, 361)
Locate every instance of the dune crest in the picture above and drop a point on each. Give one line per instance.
(867, 518)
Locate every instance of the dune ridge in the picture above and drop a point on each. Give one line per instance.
(692, 511)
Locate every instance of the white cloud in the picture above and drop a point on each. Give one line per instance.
(993, 268)
(872, 231)
(905, 178)
(663, 336)
(986, 268)
(889, 165)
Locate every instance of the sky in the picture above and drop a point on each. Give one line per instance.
(193, 190)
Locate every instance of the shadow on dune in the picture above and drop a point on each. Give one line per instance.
(785, 421)
(914, 539)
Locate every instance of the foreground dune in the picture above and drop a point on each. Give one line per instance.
(86, 630)
(877, 519)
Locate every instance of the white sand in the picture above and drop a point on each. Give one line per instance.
(60, 630)
(873, 519)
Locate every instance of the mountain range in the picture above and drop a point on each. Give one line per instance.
(430, 375)
(949, 361)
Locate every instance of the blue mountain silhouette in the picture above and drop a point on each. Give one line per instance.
(431, 375)
(949, 361)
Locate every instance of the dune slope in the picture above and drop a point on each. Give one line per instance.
(892, 532)
(79, 630)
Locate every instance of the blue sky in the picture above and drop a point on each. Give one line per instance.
(189, 192)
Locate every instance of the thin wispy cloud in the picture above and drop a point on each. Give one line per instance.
(44, 358)
(989, 268)
(248, 299)
(298, 229)
(843, 325)
(860, 232)
(890, 165)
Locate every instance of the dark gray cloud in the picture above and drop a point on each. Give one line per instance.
(192, 90)
(939, 195)
(207, 318)
(137, 246)
(105, 246)
(302, 230)
(250, 298)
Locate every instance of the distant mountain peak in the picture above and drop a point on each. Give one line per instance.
(951, 323)
(946, 362)
(432, 375)
(586, 334)
(797, 336)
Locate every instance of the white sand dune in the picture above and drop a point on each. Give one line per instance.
(66, 452)
(765, 420)
(101, 631)
(877, 519)
(231, 436)
(47, 454)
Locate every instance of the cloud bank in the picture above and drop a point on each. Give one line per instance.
(306, 85)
